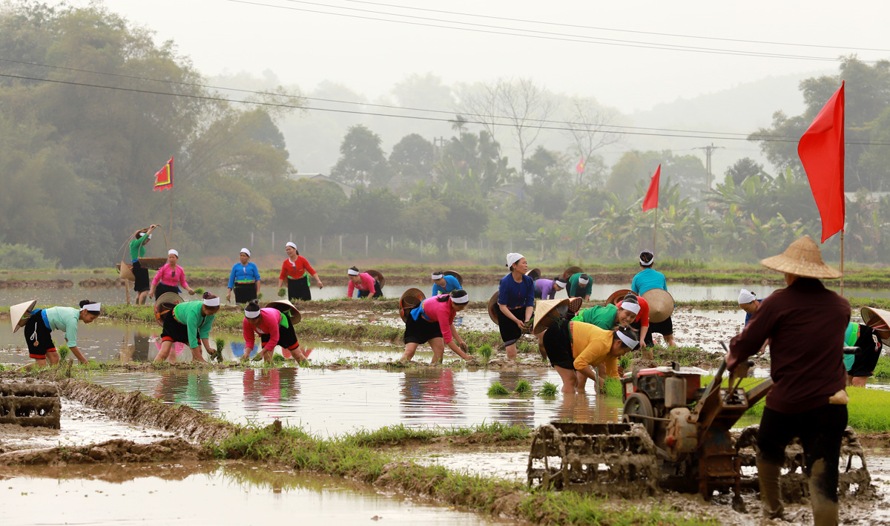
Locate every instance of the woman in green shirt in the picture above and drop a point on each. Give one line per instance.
(141, 285)
(39, 324)
(188, 323)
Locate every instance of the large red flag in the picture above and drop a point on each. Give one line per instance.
(651, 200)
(164, 177)
(821, 151)
(580, 166)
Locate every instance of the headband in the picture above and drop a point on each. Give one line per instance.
(290, 244)
(746, 296)
(630, 343)
(583, 281)
(352, 272)
(631, 306)
(461, 300)
(647, 263)
(561, 282)
(212, 302)
(92, 307)
(436, 276)
(172, 252)
(251, 313)
(245, 251)
(512, 258)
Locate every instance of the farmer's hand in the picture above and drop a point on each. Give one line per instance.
(228, 295)
(320, 284)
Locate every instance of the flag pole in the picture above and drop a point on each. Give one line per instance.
(171, 215)
(655, 231)
(842, 262)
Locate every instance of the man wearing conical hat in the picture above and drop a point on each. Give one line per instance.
(805, 323)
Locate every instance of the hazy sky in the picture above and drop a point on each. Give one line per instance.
(369, 46)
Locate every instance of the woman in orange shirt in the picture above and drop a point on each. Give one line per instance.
(295, 269)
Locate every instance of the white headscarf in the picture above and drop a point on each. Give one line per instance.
(512, 258)
(746, 296)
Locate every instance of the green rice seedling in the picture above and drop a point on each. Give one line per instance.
(882, 369)
(612, 387)
(523, 387)
(548, 390)
(498, 389)
(64, 351)
(199, 291)
(485, 351)
(624, 361)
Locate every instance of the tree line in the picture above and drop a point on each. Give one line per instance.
(92, 107)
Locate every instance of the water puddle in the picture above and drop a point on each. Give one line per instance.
(202, 494)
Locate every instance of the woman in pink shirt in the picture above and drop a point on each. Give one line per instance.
(433, 321)
(169, 277)
(274, 328)
(365, 283)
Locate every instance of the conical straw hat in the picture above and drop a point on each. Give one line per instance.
(286, 306)
(493, 308)
(410, 298)
(661, 304)
(879, 320)
(18, 311)
(376, 274)
(801, 258)
(456, 275)
(616, 296)
(543, 308)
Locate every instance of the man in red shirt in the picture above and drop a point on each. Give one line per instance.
(805, 324)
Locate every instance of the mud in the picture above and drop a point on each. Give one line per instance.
(140, 409)
(36, 283)
(167, 450)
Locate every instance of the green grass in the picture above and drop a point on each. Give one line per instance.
(359, 457)
(613, 387)
(882, 369)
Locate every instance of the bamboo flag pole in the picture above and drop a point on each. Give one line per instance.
(842, 262)
(655, 232)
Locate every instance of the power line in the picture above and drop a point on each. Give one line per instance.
(611, 29)
(525, 33)
(678, 134)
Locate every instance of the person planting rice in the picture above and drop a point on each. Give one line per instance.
(433, 321)
(749, 303)
(275, 328)
(169, 277)
(189, 323)
(547, 288)
(644, 281)
(141, 284)
(574, 348)
(39, 324)
(579, 285)
(295, 270)
(516, 302)
(244, 279)
(444, 283)
(805, 323)
(867, 339)
(366, 284)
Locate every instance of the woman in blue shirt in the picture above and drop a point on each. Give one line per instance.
(516, 302)
(244, 279)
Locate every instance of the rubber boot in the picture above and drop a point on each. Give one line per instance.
(825, 510)
(768, 474)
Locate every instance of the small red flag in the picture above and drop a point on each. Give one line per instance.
(821, 151)
(580, 166)
(164, 177)
(651, 200)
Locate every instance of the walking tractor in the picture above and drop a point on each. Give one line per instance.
(676, 435)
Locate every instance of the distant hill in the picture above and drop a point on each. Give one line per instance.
(741, 109)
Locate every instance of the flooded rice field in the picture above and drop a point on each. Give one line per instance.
(188, 494)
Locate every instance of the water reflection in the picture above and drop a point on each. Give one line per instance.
(429, 394)
(191, 388)
(269, 388)
(518, 410)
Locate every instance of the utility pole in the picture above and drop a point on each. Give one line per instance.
(708, 151)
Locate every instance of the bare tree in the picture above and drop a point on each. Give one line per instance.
(589, 129)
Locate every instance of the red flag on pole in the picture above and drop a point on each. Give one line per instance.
(580, 166)
(821, 151)
(164, 177)
(651, 200)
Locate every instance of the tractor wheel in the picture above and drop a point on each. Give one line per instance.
(639, 404)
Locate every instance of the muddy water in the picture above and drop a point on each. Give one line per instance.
(334, 402)
(192, 494)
